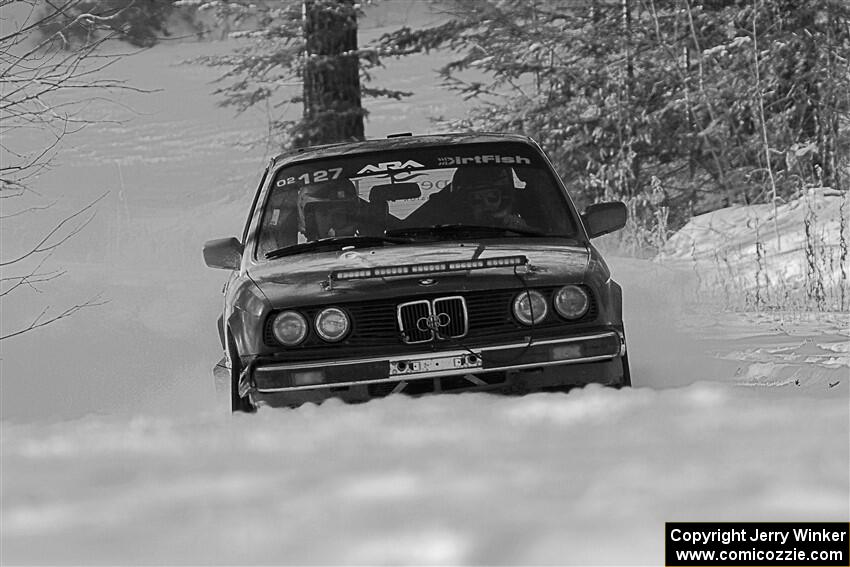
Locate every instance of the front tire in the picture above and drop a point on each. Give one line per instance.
(627, 373)
(238, 404)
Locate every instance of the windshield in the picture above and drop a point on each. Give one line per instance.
(421, 194)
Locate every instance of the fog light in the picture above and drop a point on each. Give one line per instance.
(566, 352)
(606, 346)
(308, 377)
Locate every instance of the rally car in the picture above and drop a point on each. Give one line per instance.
(416, 265)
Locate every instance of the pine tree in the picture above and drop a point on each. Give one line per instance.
(673, 102)
(301, 52)
(332, 109)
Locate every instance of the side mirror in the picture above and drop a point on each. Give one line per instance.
(223, 253)
(603, 218)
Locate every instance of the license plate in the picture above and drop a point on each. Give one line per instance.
(407, 367)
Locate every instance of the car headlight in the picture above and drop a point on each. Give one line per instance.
(530, 307)
(332, 324)
(571, 302)
(289, 327)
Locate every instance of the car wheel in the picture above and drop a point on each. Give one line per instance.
(627, 374)
(237, 403)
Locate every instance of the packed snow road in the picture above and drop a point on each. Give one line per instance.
(582, 478)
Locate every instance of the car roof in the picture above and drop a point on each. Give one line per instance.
(395, 142)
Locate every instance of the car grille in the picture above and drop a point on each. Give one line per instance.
(379, 326)
(409, 316)
(442, 318)
(454, 308)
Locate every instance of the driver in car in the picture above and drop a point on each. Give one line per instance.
(489, 194)
(327, 210)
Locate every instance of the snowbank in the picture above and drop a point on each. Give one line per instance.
(794, 255)
(586, 478)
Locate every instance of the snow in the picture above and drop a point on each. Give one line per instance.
(784, 252)
(583, 478)
(110, 452)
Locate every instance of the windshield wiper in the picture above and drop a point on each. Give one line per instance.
(441, 230)
(335, 243)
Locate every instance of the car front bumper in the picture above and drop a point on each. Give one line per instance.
(514, 367)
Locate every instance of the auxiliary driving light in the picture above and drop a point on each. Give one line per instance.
(571, 302)
(530, 307)
(332, 324)
(289, 327)
(429, 268)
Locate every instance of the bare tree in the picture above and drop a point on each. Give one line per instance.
(46, 84)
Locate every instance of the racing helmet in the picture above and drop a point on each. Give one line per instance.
(486, 189)
(327, 209)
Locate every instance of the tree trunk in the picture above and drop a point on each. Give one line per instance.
(633, 184)
(332, 107)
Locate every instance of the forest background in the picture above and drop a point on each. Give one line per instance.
(676, 107)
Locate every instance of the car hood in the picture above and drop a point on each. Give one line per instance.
(304, 279)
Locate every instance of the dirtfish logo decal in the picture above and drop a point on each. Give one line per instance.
(457, 160)
(387, 165)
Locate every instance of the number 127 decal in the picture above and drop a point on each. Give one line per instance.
(318, 176)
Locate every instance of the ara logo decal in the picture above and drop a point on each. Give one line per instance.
(388, 165)
(458, 160)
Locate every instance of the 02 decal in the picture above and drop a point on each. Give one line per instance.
(318, 176)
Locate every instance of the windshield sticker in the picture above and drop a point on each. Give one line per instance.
(318, 176)
(482, 159)
(428, 185)
(387, 165)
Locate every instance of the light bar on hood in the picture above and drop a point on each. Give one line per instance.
(428, 268)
